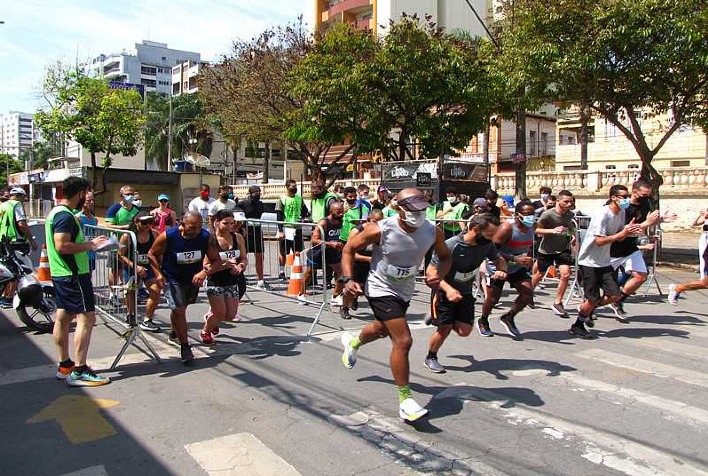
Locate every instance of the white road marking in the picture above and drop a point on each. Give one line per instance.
(91, 471)
(666, 344)
(645, 366)
(239, 454)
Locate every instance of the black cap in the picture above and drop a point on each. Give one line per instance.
(414, 203)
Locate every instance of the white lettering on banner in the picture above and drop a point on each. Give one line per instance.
(398, 273)
(189, 257)
(457, 171)
(398, 172)
(230, 254)
(463, 277)
(143, 259)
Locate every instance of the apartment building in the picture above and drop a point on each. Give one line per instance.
(149, 65)
(17, 132)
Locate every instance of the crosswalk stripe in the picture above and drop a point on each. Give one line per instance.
(90, 471)
(645, 366)
(238, 454)
(669, 345)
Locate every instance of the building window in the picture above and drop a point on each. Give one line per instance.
(532, 143)
(680, 163)
(148, 82)
(544, 143)
(148, 70)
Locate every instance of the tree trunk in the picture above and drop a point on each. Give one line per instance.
(651, 175)
(520, 165)
(584, 118)
(266, 163)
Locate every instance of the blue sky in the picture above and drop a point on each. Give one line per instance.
(37, 33)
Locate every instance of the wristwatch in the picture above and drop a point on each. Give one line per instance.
(344, 279)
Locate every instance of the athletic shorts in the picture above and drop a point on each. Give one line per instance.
(445, 313)
(254, 239)
(518, 276)
(634, 262)
(74, 294)
(314, 257)
(128, 273)
(388, 307)
(296, 245)
(234, 291)
(595, 279)
(181, 295)
(564, 258)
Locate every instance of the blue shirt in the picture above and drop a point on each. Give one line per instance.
(183, 258)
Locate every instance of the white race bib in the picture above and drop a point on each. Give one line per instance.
(230, 254)
(143, 260)
(398, 273)
(189, 257)
(463, 277)
(289, 233)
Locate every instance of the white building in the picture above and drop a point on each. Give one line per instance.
(149, 65)
(184, 77)
(17, 132)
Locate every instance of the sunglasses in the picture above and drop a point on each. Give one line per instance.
(163, 201)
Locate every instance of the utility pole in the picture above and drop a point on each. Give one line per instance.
(169, 135)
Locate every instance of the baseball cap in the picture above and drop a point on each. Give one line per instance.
(382, 188)
(479, 202)
(414, 203)
(17, 191)
(163, 196)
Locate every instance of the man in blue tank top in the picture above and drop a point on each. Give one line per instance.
(399, 246)
(177, 258)
(515, 242)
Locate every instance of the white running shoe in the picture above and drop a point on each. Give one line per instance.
(337, 301)
(409, 410)
(349, 354)
(673, 295)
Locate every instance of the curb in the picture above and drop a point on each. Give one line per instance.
(683, 266)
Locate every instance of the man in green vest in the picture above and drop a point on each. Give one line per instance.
(322, 199)
(291, 209)
(13, 226)
(69, 264)
(451, 213)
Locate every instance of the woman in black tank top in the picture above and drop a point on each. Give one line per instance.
(225, 287)
(137, 269)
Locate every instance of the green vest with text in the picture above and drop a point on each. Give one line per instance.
(58, 267)
(319, 207)
(292, 208)
(8, 227)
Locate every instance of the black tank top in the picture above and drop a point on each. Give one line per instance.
(143, 248)
(225, 278)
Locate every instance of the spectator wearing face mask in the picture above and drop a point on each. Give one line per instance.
(542, 205)
(163, 216)
(363, 200)
(223, 203)
(201, 204)
(452, 209)
(120, 215)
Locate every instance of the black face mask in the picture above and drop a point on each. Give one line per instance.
(256, 198)
(293, 190)
(318, 194)
(481, 240)
(224, 196)
(352, 202)
(337, 218)
(644, 199)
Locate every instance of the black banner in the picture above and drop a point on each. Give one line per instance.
(464, 171)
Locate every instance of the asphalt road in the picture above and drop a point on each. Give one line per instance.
(265, 400)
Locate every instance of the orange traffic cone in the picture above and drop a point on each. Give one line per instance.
(43, 273)
(295, 285)
(289, 259)
(551, 273)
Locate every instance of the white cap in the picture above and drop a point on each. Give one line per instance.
(239, 216)
(18, 191)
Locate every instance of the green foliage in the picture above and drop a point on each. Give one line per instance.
(10, 165)
(38, 155)
(85, 109)
(415, 85)
(624, 58)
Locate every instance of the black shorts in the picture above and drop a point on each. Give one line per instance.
(595, 279)
(181, 295)
(559, 259)
(74, 294)
(296, 245)
(388, 307)
(254, 239)
(361, 271)
(314, 257)
(513, 279)
(445, 313)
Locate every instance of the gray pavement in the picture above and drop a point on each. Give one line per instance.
(265, 400)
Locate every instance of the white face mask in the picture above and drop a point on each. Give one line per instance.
(452, 199)
(138, 203)
(414, 219)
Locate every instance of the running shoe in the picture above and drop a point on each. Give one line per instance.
(64, 369)
(483, 328)
(337, 300)
(344, 313)
(87, 378)
(6, 303)
(186, 354)
(532, 303)
(172, 338)
(355, 304)
(508, 322)
(215, 330)
(302, 299)
(150, 326)
(579, 330)
(409, 410)
(590, 321)
(207, 338)
(262, 285)
(282, 277)
(558, 308)
(433, 365)
(349, 354)
(673, 294)
(618, 309)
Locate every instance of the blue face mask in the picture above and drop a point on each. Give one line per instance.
(231, 195)
(128, 198)
(623, 203)
(528, 220)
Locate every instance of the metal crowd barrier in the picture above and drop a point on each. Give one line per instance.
(112, 291)
(575, 290)
(315, 288)
(655, 238)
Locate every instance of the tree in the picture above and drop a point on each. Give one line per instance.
(37, 156)
(246, 93)
(415, 85)
(103, 120)
(629, 61)
(10, 165)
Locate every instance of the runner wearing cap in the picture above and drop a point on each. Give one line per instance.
(399, 245)
(13, 227)
(163, 216)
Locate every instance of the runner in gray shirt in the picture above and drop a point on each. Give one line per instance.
(594, 261)
(400, 244)
(452, 304)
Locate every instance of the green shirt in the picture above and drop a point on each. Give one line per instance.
(62, 220)
(319, 207)
(292, 208)
(350, 220)
(8, 227)
(453, 212)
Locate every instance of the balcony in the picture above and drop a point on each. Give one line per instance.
(349, 6)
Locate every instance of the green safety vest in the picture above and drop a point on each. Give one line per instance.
(430, 212)
(454, 213)
(58, 267)
(389, 212)
(319, 207)
(8, 227)
(348, 222)
(292, 206)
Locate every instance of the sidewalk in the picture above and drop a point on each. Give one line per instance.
(680, 249)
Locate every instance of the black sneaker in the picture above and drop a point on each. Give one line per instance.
(355, 304)
(579, 330)
(618, 309)
(483, 328)
(590, 321)
(282, 277)
(172, 338)
(531, 304)
(149, 325)
(508, 322)
(131, 320)
(344, 313)
(186, 354)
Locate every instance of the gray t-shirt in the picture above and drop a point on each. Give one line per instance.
(466, 259)
(395, 259)
(604, 223)
(554, 244)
